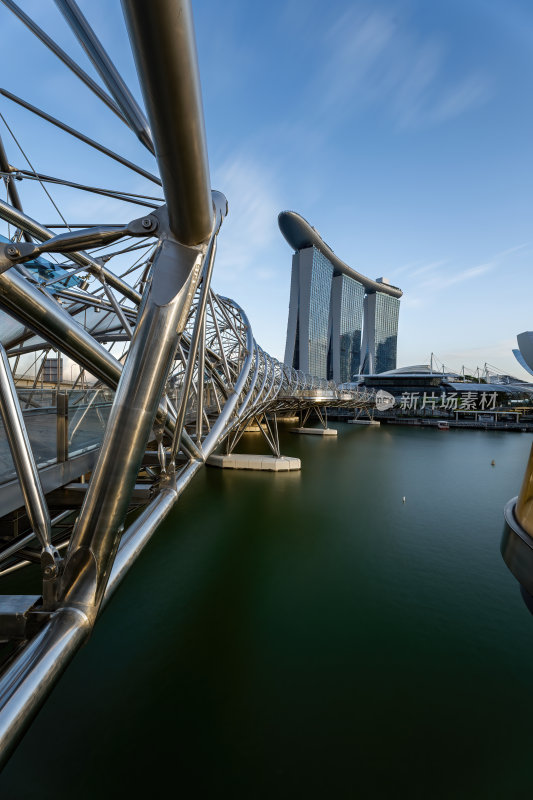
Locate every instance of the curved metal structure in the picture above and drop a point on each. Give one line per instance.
(524, 354)
(300, 234)
(176, 372)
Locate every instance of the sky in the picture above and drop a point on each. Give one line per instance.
(400, 129)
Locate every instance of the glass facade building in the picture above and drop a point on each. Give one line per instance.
(350, 328)
(318, 329)
(380, 333)
(386, 332)
(325, 318)
(341, 324)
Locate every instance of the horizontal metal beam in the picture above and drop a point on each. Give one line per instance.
(21, 220)
(52, 477)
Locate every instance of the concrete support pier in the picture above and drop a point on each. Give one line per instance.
(255, 462)
(316, 431)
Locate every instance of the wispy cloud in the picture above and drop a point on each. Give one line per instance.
(375, 58)
(439, 277)
(406, 267)
(443, 281)
(427, 268)
(251, 226)
(472, 91)
(509, 250)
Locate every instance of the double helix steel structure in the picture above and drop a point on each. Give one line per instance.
(166, 370)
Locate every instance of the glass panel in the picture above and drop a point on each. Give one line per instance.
(88, 414)
(387, 310)
(351, 325)
(321, 278)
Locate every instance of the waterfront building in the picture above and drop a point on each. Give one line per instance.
(420, 390)
(340, 323)
(346, 314)
(521, 360)
(524, 354)
(380, 336)
(312, 276)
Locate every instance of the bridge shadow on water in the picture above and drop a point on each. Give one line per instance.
(309, 635)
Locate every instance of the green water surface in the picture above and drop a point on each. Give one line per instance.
(310, 635)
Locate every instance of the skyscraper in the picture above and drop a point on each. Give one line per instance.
(380, 333)
(312, 276)
(346, 315)
(340, 322)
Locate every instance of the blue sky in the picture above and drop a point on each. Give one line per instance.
(401, 130)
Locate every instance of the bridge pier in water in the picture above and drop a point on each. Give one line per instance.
(255, 462)
(268, 427)
(323, 419)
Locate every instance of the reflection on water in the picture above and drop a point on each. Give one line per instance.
(310, 635)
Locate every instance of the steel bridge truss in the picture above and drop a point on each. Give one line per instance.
(169, 370)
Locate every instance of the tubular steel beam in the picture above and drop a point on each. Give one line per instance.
(78, 135)
(33, 673)
(42, 314)
(126, 197)
(39, 312)
(193, 349)
(163, 44)
(65, 58)
(14, 196)
(107, 70)
(95, 539)
(21, 220)
(20, 447)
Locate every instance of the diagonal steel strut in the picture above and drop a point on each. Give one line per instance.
(162, 40)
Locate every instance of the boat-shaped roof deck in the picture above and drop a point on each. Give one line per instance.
(300, 234)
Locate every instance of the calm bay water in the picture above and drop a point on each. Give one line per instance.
(309, 635)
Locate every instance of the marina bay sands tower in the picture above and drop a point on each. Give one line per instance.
(341, 324)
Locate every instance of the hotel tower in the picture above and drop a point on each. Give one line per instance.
(341, 324)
